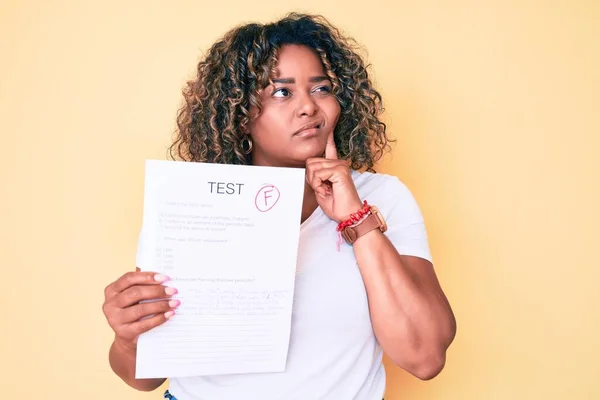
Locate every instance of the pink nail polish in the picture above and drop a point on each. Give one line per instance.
(170, 291)
(169, 314)
(160, 278)
(174, 303)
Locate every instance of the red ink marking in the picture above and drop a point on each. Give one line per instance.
(266, 198)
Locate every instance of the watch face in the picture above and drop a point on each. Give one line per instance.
(380, 219)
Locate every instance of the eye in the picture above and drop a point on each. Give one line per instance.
(326, 89)
(281, 92)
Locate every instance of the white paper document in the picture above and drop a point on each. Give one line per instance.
(227, 236)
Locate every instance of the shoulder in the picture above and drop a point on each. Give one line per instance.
(388, 193)
(395, 201)
(382, 186)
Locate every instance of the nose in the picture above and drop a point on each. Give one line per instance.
(306, 105)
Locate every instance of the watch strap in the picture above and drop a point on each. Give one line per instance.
(352, 233)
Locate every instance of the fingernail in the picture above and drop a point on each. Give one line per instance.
(169, 314)
(322, 195)
(170, 290)
(160, 278)
(174, 303)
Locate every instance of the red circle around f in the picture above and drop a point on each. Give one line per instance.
(266, 198)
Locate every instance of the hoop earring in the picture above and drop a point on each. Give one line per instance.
(247, 144)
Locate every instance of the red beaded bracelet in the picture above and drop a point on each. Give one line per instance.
(354, 218)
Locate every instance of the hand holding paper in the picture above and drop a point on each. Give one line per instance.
(127, 313)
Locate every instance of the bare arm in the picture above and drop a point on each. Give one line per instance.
(122, 362)
(411, 316)
(129, 317)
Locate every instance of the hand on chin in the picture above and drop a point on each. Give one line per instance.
(331, 179)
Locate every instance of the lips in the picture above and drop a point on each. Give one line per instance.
(317, 124)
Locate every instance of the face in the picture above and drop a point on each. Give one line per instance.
(299, 111)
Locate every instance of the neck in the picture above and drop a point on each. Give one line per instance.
(309, 204)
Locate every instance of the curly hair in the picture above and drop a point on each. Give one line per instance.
(211, 122)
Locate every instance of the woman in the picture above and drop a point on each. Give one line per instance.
(295, 94)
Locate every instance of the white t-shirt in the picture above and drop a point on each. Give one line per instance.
(333, 352)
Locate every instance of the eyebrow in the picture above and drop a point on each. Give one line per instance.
(292, 80)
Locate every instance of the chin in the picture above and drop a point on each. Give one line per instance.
(296, 162)
(305, 152)
(299, 154)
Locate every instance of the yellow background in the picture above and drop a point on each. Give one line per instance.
(495, 106)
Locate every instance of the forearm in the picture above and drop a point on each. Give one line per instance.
(411, 317)
(122, 362)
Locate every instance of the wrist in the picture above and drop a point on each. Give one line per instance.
(361, 223)
(357, 208)
(124, 346)
(358, 211)
(122, 358)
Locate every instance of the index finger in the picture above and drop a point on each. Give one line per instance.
(134, 278)
(330, 149)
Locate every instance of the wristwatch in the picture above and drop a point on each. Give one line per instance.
(373, 221)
